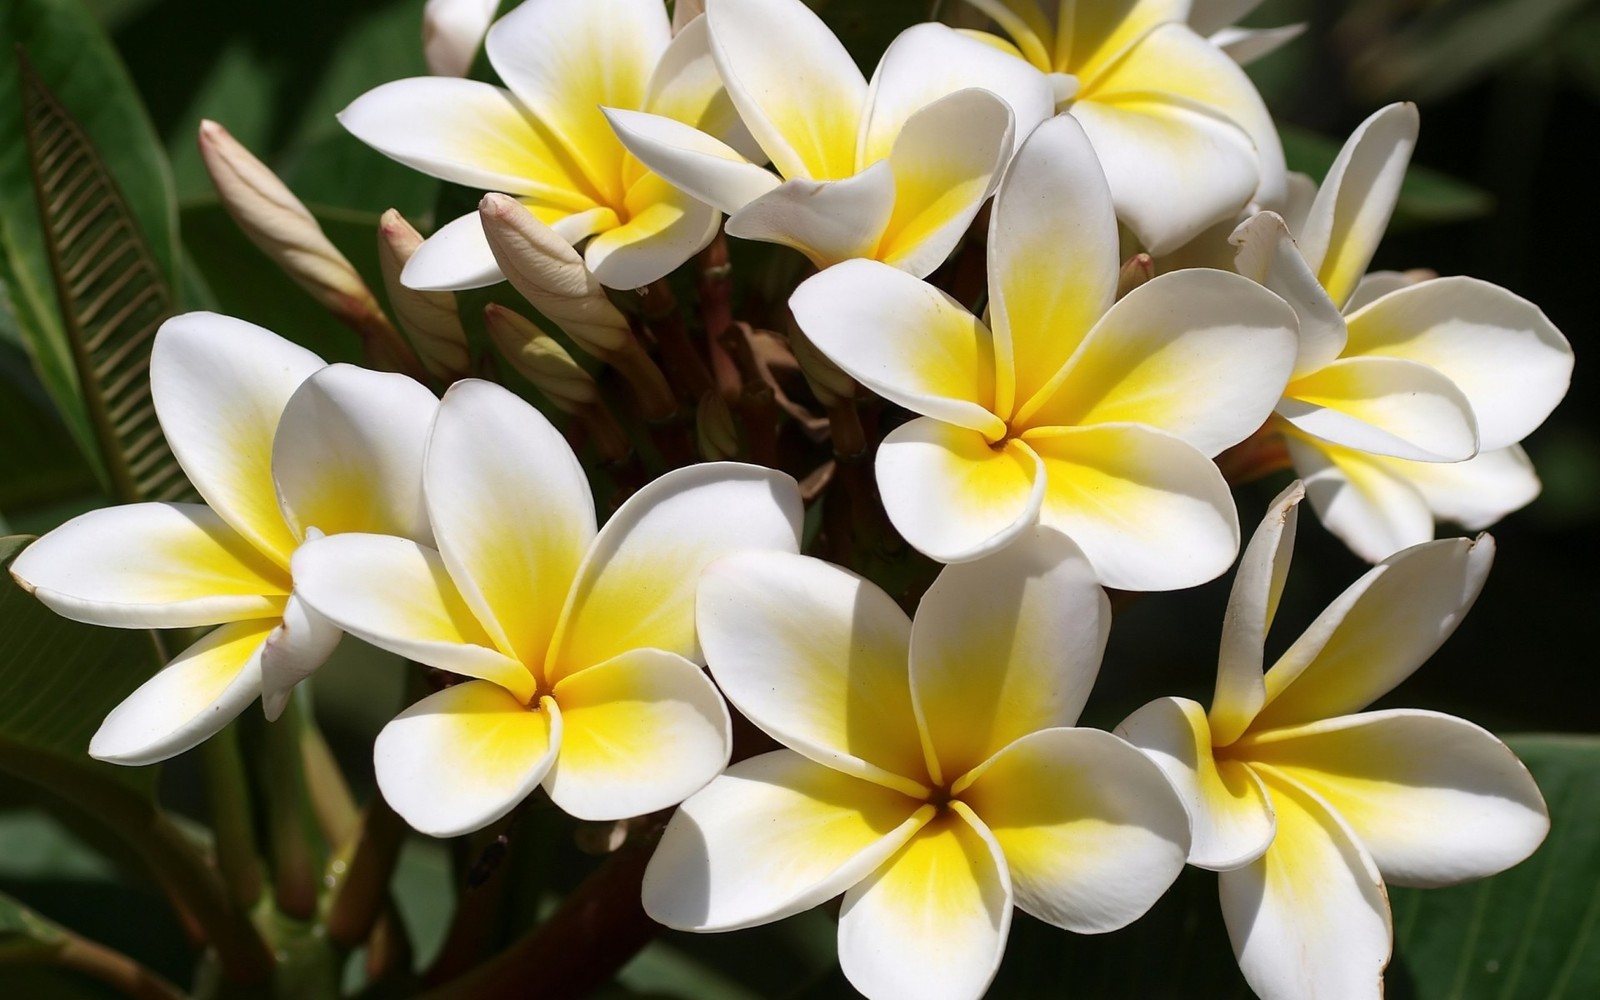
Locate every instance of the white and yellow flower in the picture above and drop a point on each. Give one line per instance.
(545, 140)
(892, 171)
(1306, 804)
(1184, 137)
(282, 448)
(580, 644)
(930, 774)
(1398, 383)
(1095, 418)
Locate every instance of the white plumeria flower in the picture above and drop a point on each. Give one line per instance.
(1396, 377)
(892, 171)
(1217, 20)
(1307, 808)
(283, 448)
(581, 643)
(1184, 136)
(930, 775)
(1098, 419)
(546, 141)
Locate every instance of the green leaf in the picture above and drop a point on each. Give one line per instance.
(1427, 197)
(23, 933)
(112, 292)
(1532, 933)
(71, 53)
(59, 678)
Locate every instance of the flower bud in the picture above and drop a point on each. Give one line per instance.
(715, 432)
(539, 359)
(452, 32)
(1136, 270)
(430, 319)
(830, 384)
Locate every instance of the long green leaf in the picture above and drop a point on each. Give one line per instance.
(111, 291)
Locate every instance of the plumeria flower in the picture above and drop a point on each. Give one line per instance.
(1185, 138)
(929, 772)
(1098, 419)
(580, 644)
(545, 140)
(892, 171)
(1395, 378)
(283, 448)
(1306, 804)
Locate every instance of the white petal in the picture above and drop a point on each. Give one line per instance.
(932, 921)
(1174, 169)
(1374, 285)
(773, 836)
(1052, 258)
(203, 689)
(816, 657)
(637, 584)
(903, 339)
(927, 62)
(1309, 920)
(348, 454)
(639, 733)
(1386, 406)
(151, 565)
(1357, 196)
(686, 87)
(693, 161)
(565, 61)
(452, 32)
(1359, 499)
(796, 88)
(1267, 255)
(1245, 45)
(300, 644)
(1252, 603)
(220, 385)
(664, 229)
(1203, 355)
(1210, 16)
(1230, 814)
(1504, 355)
(465, 132)
(1149, 511)
(952, 495)
(1435, 799)
(1380, 630)
(460, 759)
(455, 258)
(1475, 493)
(1092, 832)
(828, 221)
(512, 511)
(398, 596)
(1006, 645)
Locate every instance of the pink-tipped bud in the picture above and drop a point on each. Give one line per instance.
(430, 319)
(1136, 270)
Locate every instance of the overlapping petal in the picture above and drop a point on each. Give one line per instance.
(455, 258)
(816, 657)
(665, 227)
(686, 87)
(1005, 645)
(1475, 493)
(1435, 800)
(636, 587)
(691, 160)
(300, 644)
(932, 921)
(1384, 406)
(828, 221)
(1356, 497)
(220, 385)
(773, 836)
(204, 688)
(512, 511)
(1091, 830)
(952, 494)
(462, 758)
(1149, 511)
(639, 733)
(1268, 256)
(151, 565)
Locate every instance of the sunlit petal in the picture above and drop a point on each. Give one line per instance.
(693, 161)
(455, 258)
(1386, 406)
(664, 229)
(1434, 799)
(639, 733)
(300, 644)
(460, 759)
(151, 565)
(1268, 256)
(828, 221)
(1475, 493)
(932, 920)
(1092, 832)
(1006, 645)
(816, 657)
(1359, 499)
(686, 87)
(952, 494)
(203, 689)
(773, 836)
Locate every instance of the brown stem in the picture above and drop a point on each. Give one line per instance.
(478, 910)
(113, 968)
(756, 401)
(361, 883)
(294, 877)
(228, 799)
(663, 319)
(650, 386)
(331, 801)
(715, 284)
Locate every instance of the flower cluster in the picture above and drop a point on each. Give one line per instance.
(1056, 425)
